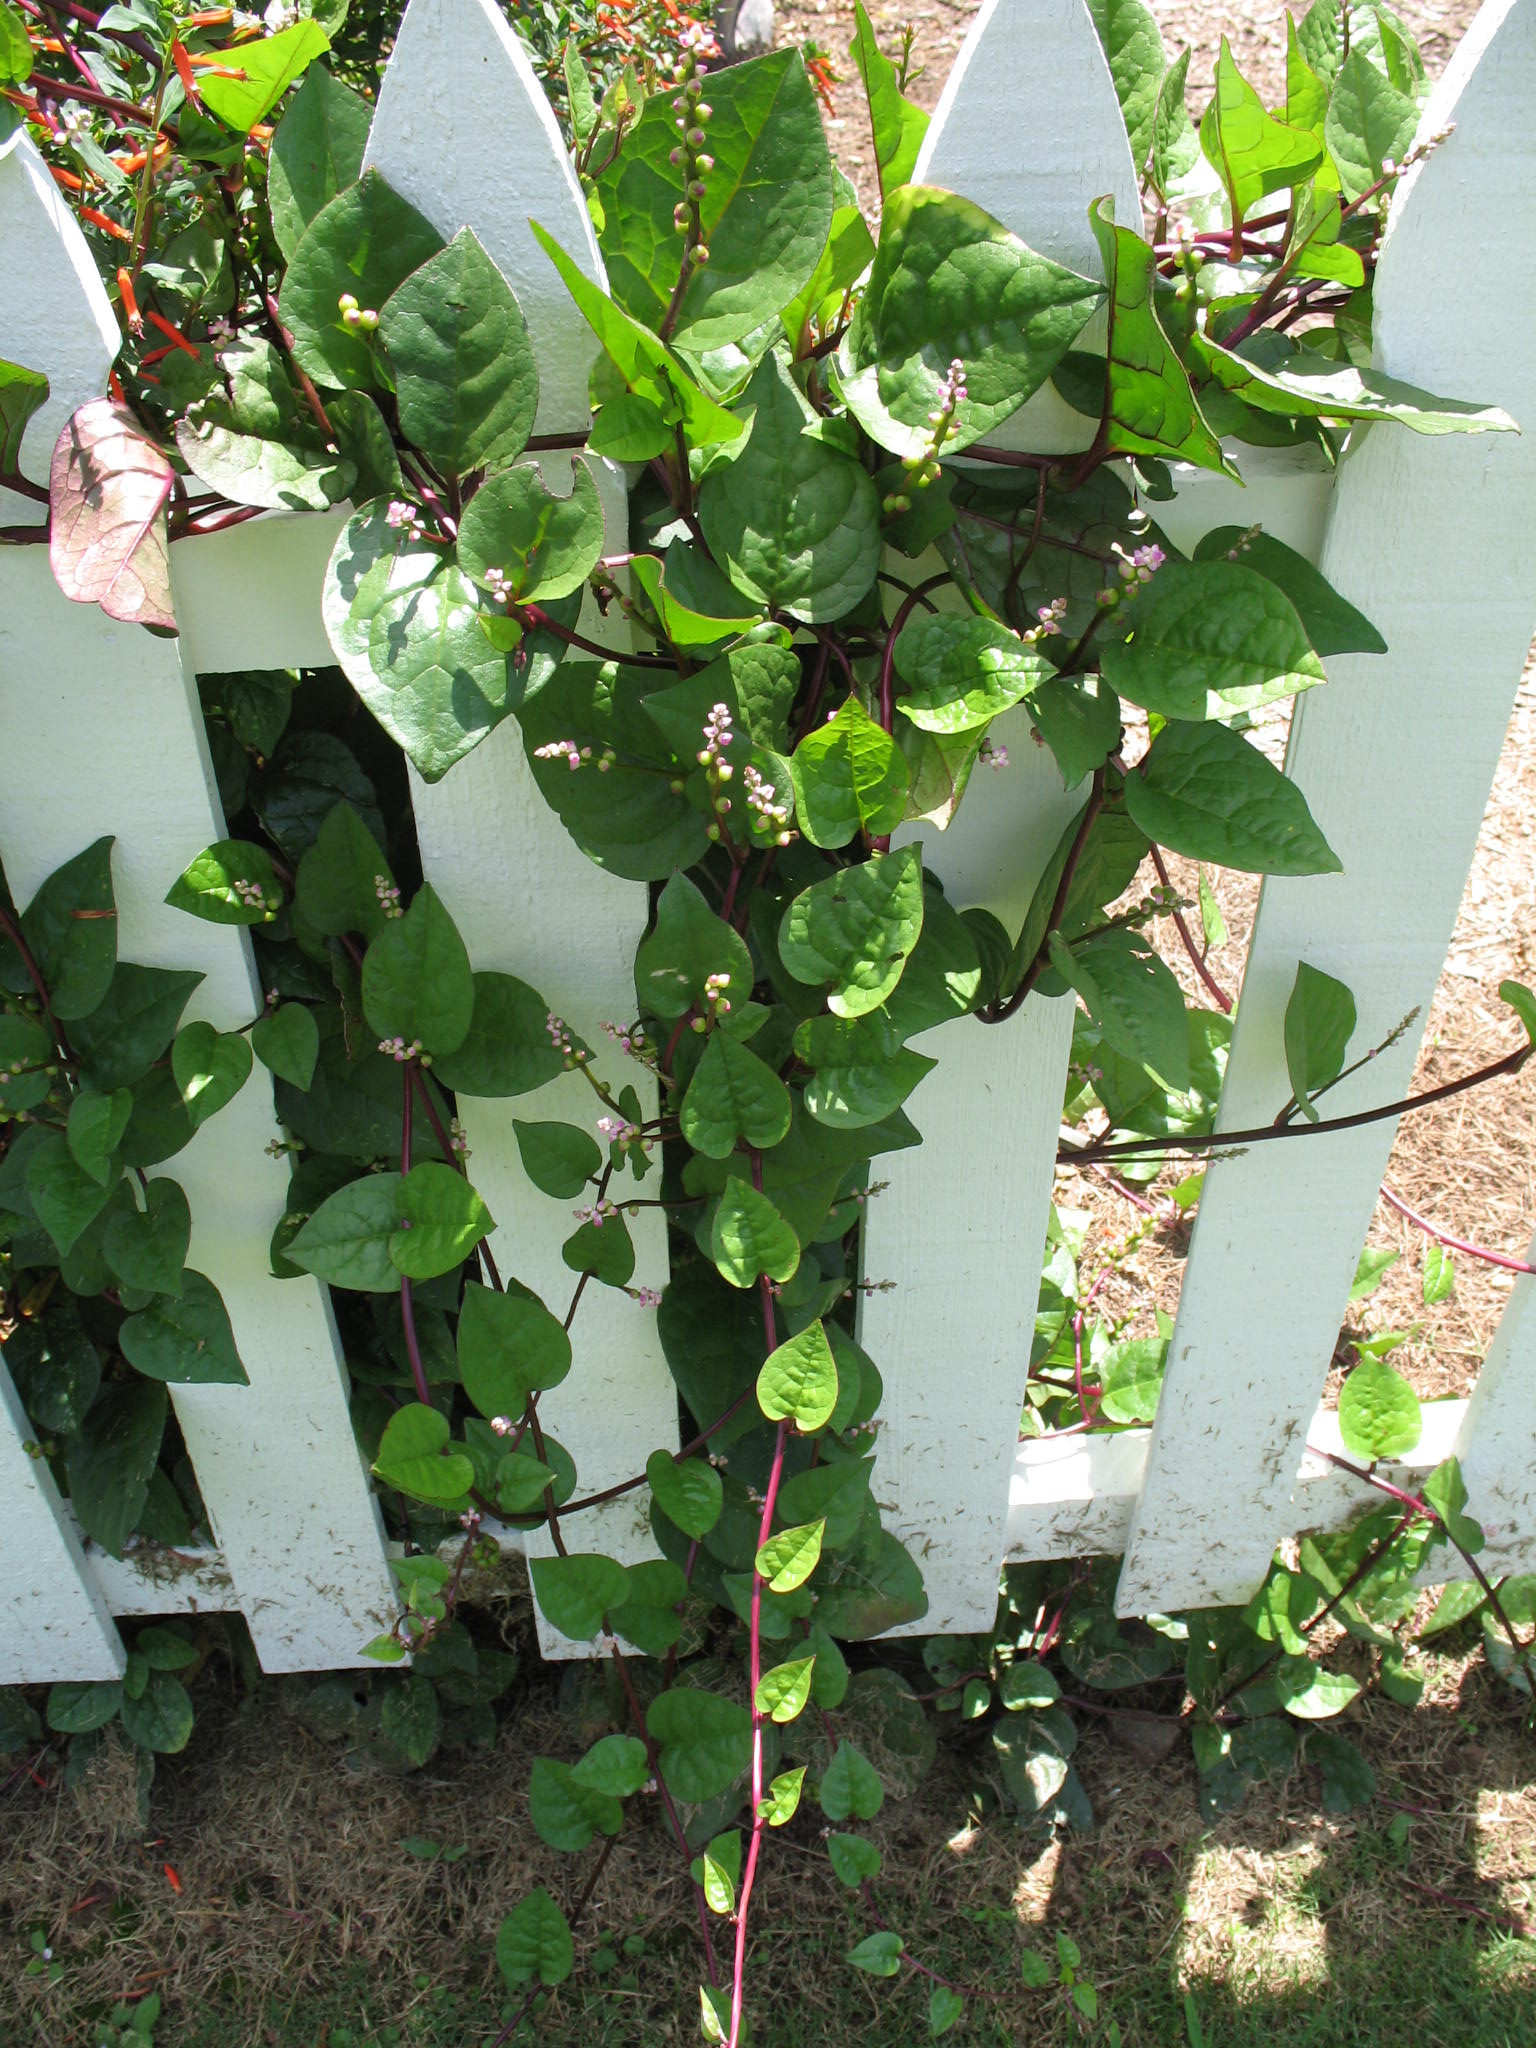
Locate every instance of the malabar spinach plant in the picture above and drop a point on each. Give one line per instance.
(836, 583)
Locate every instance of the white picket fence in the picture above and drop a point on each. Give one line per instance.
(1435, 540)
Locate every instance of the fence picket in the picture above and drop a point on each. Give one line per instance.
(1063, 149)
(53, 310)
(1396, 757)
(1497, 1439)
(967, 1274)
(104, 735)
(526, 900)
(54, 1621)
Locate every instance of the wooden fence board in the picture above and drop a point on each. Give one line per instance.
(104, 735)
(1008, 134)
(1435, 540)
(526, 900)
(1497, 1439)
(54, 1620)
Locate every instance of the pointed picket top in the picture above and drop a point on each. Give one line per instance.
(1028, 127)
(55, 315)
(465, 133)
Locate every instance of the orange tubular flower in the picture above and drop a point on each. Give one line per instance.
(131, 311)
(172, 334)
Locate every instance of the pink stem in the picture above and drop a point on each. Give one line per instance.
(1455, 1244)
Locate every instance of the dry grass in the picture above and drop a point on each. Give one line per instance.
(293, 1880)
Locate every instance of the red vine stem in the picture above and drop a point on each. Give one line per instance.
(1197, 958)
(1454, 1244)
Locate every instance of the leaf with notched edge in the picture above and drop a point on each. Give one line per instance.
(108, 490)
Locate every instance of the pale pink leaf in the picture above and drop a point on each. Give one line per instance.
(108, 491)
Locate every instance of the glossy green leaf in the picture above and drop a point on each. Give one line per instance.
(534, 1941)
(211, 1067)
(344, 883)
(230, 882)
(1078, 717)
(1150, 406)
(565, 1813)
(184, 1337)
(1301, 383)
(441, 1220)
(848, 254)
(22, 393)
(783, 1691)
(66, 1197)
(268, 67)
(951, 283)
(346, 1241)
(961, 672)
(630, 821)
(1439, 1274)
(1206, 639)
(788, 1559)
(417, 985)
(79, 1705)
(415, 1458)
(734, 1100)
(688, 1493)
(792, 521)
(695, 606)
(1330, 622)
(644, 366)
(287, 1041)
(1133, 46)
(850, 1786)
(507, 1049)
(605, 1250)
(466, 383)
(108, 1465)
(509, 1346)
(1131, 994)
(1175, 145)
(576, 1591)
(689, 946)
(1205, 791)
(147, 1250)
(316, 152)
(862, 1073)
(615, 1764)
(94, 1127)
(897, 125)
(363, 244)
(798, 1382)
(1319, 1023)
(855, 930)
(1369, 123)
(879, 1955)
(705, 1741)
(71, 927)
(1130, 1380)
(559, 1159)
(26, 1052)
(56, 1369)
(543, 544)
(766, 208)
(161, 1718)
(1378, 1412)
(1251, 152)
(854, 1859)
(750, 1238)
(1312, 1693)
(849, 776)
(254, 439)
(783, 1800)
